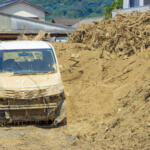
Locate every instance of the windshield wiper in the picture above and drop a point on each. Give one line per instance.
(31, 73)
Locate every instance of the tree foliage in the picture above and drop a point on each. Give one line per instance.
(71, 8)
(117, 4)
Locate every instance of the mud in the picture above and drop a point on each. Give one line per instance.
(11, 85)
(107, 105)
(121, 36)
(108, 101)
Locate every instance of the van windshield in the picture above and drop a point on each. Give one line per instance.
(27, 61)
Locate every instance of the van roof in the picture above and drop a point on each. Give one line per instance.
(11, 45)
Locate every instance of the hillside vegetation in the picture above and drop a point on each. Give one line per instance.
(72, 8)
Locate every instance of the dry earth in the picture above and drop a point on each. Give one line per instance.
(107, 105)
(107, 84)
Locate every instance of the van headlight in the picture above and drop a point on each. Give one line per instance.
(59, 87)
(1, 91)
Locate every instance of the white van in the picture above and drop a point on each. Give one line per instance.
(31, 88)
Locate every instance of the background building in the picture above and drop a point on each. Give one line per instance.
(133, 5)
(23, 8)
(20, 17)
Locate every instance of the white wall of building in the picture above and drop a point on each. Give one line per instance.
(126, 3)
(24, 10)
(127, 9)
(141, 2)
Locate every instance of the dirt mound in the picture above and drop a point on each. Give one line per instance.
(123, 35)
(108, 100)
(108, 105)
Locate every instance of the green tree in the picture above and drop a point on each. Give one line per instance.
(71, 8)
(117, 4)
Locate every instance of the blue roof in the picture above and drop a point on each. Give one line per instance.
(24, 1)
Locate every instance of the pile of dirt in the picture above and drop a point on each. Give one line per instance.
(107, 100)
(123, 35)
(108, 105)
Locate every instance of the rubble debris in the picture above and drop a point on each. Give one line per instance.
(123, 35)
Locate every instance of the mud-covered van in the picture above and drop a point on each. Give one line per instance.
(31, 89)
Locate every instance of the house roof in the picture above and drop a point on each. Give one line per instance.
(66, 21)
(87, 20)
(12, 2)
(22, 24)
